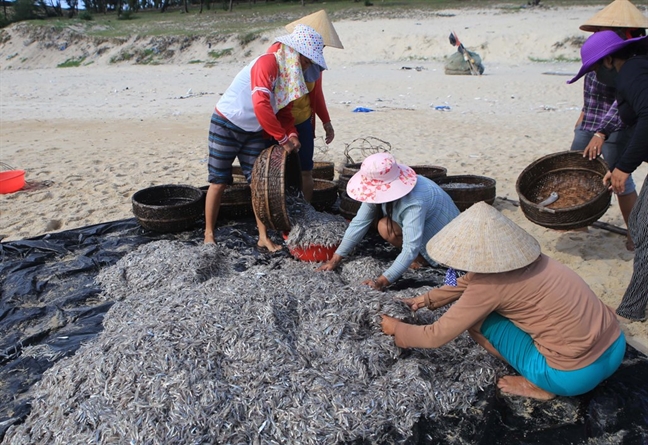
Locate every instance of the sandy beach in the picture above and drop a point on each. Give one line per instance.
(89, 137)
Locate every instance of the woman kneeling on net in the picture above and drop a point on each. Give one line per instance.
(406, 209)
(527, 309)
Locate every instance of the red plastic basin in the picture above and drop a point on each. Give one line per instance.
(12, 181)
(314, 253)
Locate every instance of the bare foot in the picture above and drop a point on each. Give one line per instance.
(209, 238)
(268, 244)
(519, 386)
(415, 265)
(630, 245)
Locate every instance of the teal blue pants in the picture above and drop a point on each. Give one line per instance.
(519, 350)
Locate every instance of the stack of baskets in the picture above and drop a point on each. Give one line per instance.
(578, 182)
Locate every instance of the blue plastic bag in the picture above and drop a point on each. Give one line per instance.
(362, 110)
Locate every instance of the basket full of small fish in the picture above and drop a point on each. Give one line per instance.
(314, 236)
(564, 191)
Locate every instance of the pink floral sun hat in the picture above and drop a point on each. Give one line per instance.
(381, 179)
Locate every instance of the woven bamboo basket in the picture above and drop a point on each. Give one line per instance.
(236, 202)
(582, 196)
(351, 169)
(342, 182)
(323, 170)
(324, 195)
(348, 206)
(168, 208)
(275, 176)
(466, 190)
(432, 172)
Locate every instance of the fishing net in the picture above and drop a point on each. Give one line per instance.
(112, 334)
(457, 65)
(358, 149)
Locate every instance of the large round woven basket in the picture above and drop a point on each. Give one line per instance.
(276, 175)
(236, 202)
(323, 170)
(348, 206)
(324, 194)
(582, 196)
(432, 172)
(466, 190)
(351, 169)
(168, 208)
(342, 182)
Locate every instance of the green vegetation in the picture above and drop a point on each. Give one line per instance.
(247, 19)
(85, 15)
(69, 63)
(245, 39)
(220, 53)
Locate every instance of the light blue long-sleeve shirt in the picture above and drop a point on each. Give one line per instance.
(421, 214)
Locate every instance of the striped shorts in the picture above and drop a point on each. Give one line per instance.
(635, 299)
(228, 142)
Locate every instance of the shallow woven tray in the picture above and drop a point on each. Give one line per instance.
(582, 196)
(466, 190)
(275, 175)
(324, 194)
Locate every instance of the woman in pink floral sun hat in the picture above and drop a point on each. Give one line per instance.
(409, 210)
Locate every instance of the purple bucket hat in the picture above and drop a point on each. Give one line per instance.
(381, 179)
(599, 45)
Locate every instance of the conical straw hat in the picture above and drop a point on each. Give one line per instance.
(618, 14)
(320, 22)
(483, 240)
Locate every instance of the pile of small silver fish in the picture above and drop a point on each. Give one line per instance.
(310, 227)
(194, 351)
(460, 185)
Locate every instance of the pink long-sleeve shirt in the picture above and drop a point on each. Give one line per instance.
(570, 326)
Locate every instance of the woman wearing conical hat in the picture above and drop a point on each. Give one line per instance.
(258, 103)
(599, 129)
(312, 105)
(527, 309)
(624, 64)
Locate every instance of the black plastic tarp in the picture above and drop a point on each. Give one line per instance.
(49, 297)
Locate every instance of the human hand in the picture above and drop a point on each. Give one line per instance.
(292, 145)
(593, 149)
(330, 132)
(415, 303)
(379, 283)
(617, 180)
(388, 324)
(330, 264)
